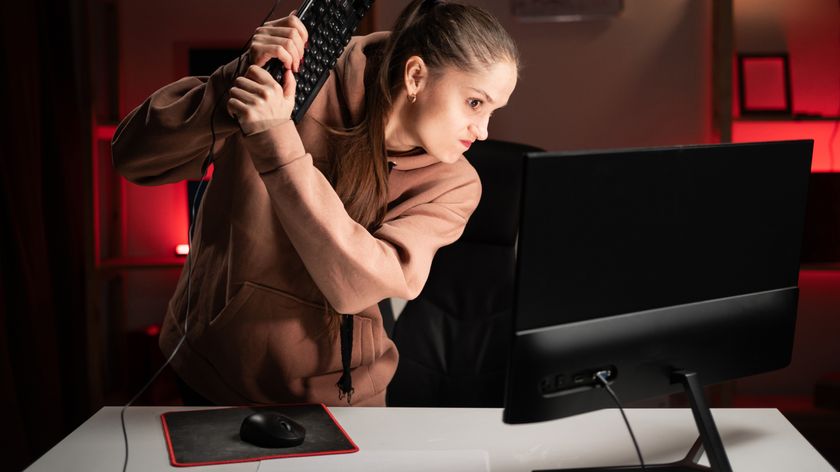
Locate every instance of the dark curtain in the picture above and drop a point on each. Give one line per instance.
(46, 123)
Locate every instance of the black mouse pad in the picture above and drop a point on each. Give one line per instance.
(206, 437)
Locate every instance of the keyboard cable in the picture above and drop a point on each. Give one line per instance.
(208, 160)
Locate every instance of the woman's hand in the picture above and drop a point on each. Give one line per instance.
(256, 100)
(283, 39)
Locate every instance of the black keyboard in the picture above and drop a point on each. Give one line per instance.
(330, 24)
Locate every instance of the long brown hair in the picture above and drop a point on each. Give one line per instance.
(443, 34)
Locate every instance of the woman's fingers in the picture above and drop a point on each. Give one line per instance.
(289, 85)
(284, 39)
(295, 23)
(258, 86)
(261, 53)
(276, 33)
(274, 44)
(261, 78)
(236, 108)
(291, 21)
(247, 84)
(244, 97)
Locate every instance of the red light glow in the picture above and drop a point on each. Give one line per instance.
(152, 330)
(182, 249)
(825, 152)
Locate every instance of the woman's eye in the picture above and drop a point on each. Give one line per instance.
(474, 103)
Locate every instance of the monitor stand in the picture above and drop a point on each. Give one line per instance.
(709, 437)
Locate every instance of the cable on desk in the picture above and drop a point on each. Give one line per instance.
(602, 377)
(207, 161)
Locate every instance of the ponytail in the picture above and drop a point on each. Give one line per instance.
(444, 35)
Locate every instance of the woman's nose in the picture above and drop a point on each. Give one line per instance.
(479, 130)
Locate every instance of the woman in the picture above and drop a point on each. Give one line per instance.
(305, 228)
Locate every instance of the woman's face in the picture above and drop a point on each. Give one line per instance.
(452, 109)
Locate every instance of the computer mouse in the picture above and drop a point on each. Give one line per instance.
(271, 429)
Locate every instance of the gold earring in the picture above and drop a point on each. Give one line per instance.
(412, 98)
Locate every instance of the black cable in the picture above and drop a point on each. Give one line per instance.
(195, 203)
(602, 377)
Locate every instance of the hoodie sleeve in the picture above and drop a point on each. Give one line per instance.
(167, 137)
(354, 268)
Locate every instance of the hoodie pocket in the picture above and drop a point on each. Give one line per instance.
(265, 339)
(233, 306)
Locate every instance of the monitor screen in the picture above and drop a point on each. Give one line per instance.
(646, 261)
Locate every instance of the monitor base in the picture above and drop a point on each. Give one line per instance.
(709, 439)
(687, 464)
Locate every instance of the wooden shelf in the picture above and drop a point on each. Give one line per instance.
(142, 263)
(821, 266)
(796, 118)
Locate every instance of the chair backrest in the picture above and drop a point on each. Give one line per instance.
(454, 337)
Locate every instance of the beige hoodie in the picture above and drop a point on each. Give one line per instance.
(272, 239)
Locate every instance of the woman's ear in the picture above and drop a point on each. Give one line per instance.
(416, 75)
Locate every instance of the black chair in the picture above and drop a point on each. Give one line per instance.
(454, 337)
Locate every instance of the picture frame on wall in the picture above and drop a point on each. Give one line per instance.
(764, 84)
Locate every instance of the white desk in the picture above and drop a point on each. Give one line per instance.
(474, 439)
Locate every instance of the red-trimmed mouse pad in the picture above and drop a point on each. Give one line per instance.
(207, 437)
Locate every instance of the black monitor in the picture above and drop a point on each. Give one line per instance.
(668, 268)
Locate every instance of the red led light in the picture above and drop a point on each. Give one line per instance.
(182, 249)
(153, 330)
